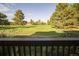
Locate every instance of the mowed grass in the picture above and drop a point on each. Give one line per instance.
(36, 31)
(24, 30)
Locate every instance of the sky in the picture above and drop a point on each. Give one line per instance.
(34, 11)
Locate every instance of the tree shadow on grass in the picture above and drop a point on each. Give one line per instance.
(55, 34)
(45, 34)
(52, 34)
(71, 34)
(4, 28)
(25, 27)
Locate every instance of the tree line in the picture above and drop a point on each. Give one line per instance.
(65, 15)
(17, 19)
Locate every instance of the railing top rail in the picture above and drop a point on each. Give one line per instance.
(39, 39)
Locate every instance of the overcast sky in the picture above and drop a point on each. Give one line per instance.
(33, 11)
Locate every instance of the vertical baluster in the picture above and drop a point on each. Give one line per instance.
(30, 50)
(68, 50)
(19, 50)
(41, 50)
(74, 50)
(57, 50)
(35, 50)
(3, 50)
(24, 50)
(9, 50)
(46, 50)
(14, 50)
(63, 50)
(52, 50)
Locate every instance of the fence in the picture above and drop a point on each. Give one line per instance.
(41, 47)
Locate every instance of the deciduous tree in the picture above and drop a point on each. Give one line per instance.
(18, 17)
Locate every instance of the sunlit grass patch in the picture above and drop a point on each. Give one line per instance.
(37, 31)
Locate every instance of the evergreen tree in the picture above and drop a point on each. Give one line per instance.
(76, 8)
(61, 6)
(63, 14)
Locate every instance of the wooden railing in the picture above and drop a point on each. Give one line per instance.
(39, 47)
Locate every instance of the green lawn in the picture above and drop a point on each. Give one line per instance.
(36, 31)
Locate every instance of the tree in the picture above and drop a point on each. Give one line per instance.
(3, 19)
(57, 17)
(76, 8)
(24, 22)
(43, 23)
(18, 17)
(31, 21)
(2, 15)
(61, 6)
(38, 22)
(63, 13)
(48, 22)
